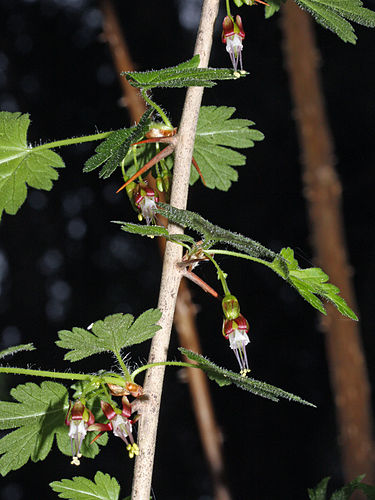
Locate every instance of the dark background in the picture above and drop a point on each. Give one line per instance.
(63, 264)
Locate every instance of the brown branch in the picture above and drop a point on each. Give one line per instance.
(322, 191)
(185, 312)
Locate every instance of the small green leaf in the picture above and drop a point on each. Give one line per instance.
(104, 487)
(186, 74)
(311, 283)
(320, 490)
(272, 7)
(16, 348)
(111, 334)
(142, 229)
(39, 415)
(332, 14)
(216, 133)
(111, 152)
(22, 165)
(223, 377)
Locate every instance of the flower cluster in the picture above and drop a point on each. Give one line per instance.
(235, 329)
(81, 420)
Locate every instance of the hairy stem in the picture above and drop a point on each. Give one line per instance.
(72, 140)
(157, 108)
(171, 275)
(45, 373)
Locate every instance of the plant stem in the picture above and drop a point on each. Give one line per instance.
(221, 275)
(240, 255)
(161, 363)
(125, 371)
(171, 275)
(45, 373)
(157, 108)
(72, 140)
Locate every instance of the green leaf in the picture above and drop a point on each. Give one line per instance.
(142, 229)
(212, 234)
(111, 334)
(272, 7)
(104, 487)
(22, 165)
(310, 283)
(333, 14)
(152, 231)
(320, 490)
(186, 74)
(16, 348)
(39, 415)
(224, 377)
(217, 132)
(111, 152)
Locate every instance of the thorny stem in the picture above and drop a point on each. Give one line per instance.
(157, 108)
(171, 275)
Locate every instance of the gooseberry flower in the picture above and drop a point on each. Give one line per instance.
(145, 200)
(232, 36)
(235, 329)
(119, 423)
(79, 418)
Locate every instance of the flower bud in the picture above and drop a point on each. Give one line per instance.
(231, 307)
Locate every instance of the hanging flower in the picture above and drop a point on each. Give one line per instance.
(232, 36)
(119, 423)
(79, 418)
(235, 329)
(145, 200)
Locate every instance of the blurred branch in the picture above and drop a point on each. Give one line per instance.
(322, 190)
(185, 312)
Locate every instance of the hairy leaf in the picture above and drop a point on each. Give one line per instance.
(104, 487)
(16, 348)
(38, 415)
(344, 493)
(212, 234)
(111, 334)
(217, 132)
(333, 14)
(22, 165)
(186, 74)
(152, 231)
(223, 377)
(111, 152)
(310, 283)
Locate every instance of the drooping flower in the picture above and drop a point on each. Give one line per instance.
(145, 200)
(119, 423)
(235, 329)
(79, 418)
(232, 36)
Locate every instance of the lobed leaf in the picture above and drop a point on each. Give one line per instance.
(22, 165)
(223, 377)
(16, 348)
(39, 416)
(186, 74)
(333, 14)
(104, 487)
(111, 334)
(216, 133)
(344, 493)
(111, 152)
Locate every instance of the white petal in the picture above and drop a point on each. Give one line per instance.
(238, 339)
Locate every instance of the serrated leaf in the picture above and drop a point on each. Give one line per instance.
(16, 348)
(22, 165)
(212, 234)
(104, 487)
(111, 152)
(311, 283)
(333, 14)
(223, 377)
(186, 74)
(142, 229)
(38, 415)
(272, 7)
(320, 490)
(111, 334)
(216, 133)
